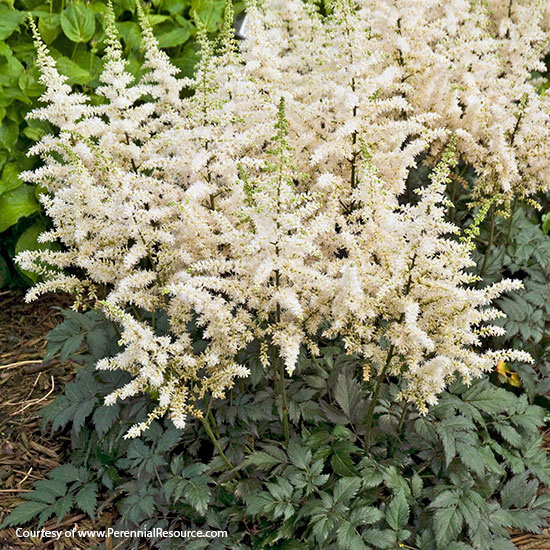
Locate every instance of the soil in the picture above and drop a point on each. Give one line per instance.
(28, 451)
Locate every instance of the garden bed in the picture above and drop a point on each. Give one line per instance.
(28, 453)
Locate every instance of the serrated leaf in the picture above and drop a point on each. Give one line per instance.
(83, 410)
(169, 439)
(380, 538)
(66, 473)
(347, 394)
(341, 460)
(503, 544)
(54, 487)
(104, 417)
(447, 524)
(446, 499)
(346, 488)
(519, 492)
(197, 493)
(262, 460)
(509, 434)
(397, 512)
(23, 513)
(348, 538)
(86, 499)
(63, 506)
(299, 455)
(416, 485)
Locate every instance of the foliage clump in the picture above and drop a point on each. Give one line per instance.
(459, 477)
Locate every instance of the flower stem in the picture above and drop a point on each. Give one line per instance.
(489, 244)
(216, 443)
(284, 401)
(399, 428)
(374, 400)
(279, 372)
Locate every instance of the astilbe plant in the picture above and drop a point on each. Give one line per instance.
(267, 204)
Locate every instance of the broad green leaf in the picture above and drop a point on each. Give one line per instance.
(74, 73)
(10, 67)
(128, 5)
(17, 204)
(36, 129)
(156, 19)
(130, 34)
(175, 37)
(189, 58)
(49, 26)
(10, 177)
(29, 84)
(9, 21)
(174, 6)
(9, 132)
(28, 240)
(210, 12)
(78, 22)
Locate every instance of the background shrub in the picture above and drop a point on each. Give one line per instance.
(74, 33)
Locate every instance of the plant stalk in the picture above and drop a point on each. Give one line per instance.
(399, 428)
(279, 372)
(374, 400)
(489, 244)
(216, 443)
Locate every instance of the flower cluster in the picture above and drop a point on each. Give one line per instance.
(266, 204)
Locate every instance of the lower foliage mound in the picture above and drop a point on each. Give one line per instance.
(458, 478)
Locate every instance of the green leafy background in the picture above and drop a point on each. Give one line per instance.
(74, 33)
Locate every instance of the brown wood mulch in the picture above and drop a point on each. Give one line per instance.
(28, 453)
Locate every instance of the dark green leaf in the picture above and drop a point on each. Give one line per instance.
(86, 498)
(397, 512)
